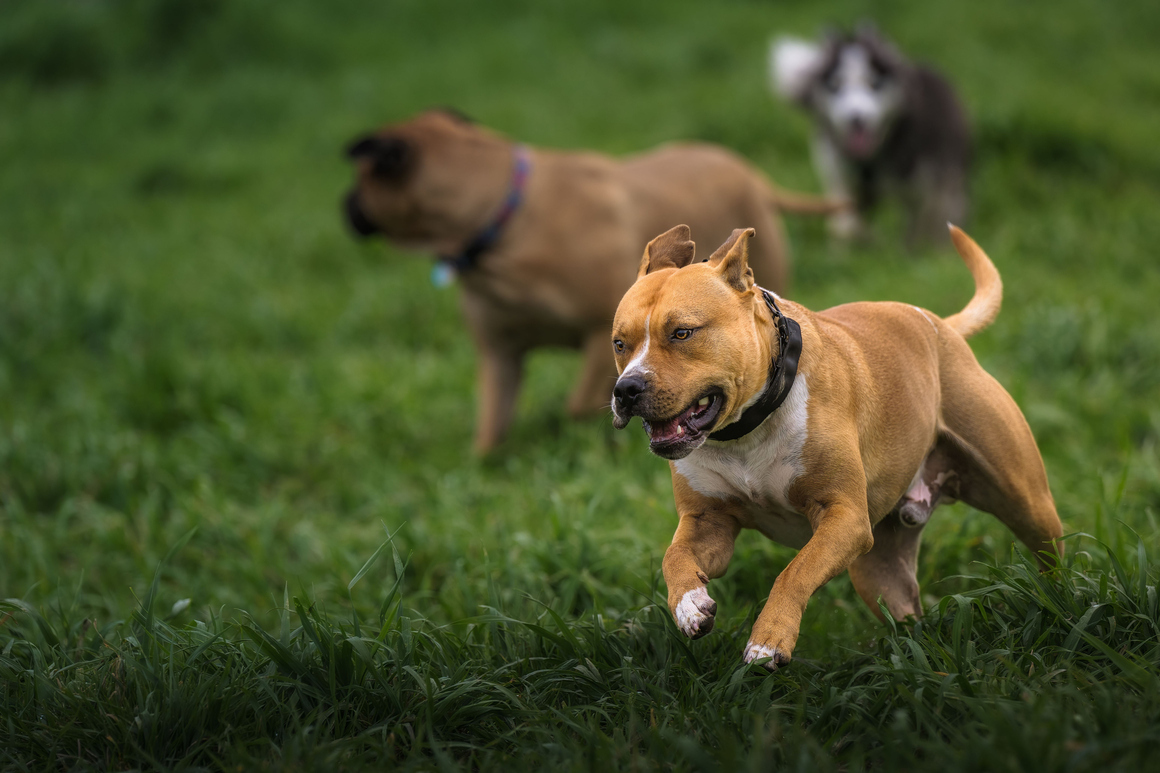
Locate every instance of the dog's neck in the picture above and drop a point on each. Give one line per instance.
(462, 257)
(783, 367)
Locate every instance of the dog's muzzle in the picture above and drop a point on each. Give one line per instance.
(358, 220)
(625, 394)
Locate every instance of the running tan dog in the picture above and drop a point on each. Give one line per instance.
(834, 432)
(545, 243)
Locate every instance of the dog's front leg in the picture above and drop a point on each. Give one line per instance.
(847, 224)
(841, 534)
(499, 375)
(701, 550)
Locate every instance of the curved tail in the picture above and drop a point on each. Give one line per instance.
(805, 203)
(984, 306)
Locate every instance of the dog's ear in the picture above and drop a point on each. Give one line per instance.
(883, 53)
(732, 259)
(794, 64)
(672, 249)
(393, 157)
(362, 146)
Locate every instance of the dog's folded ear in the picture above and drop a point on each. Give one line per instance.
(362, 146)
(794, 64)
(732, 259)
(393, 157)
(672, 249)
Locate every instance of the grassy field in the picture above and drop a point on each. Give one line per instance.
(240, 525)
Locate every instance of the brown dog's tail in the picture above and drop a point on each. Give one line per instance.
(805, 203)
(984, 306)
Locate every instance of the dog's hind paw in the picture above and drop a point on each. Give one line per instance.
(755, 652)
(695, 613)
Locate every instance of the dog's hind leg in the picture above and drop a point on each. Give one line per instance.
(994, 454)
(888, 571)
(593, 391)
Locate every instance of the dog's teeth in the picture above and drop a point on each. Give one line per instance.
(680, 430)
(703, 401)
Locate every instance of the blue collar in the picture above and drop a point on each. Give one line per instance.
(450, 266)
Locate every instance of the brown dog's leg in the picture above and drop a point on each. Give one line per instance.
(889, 569)
(999, 464)
(701, 551)
(593, 391)
(499, 375)
(841, 534)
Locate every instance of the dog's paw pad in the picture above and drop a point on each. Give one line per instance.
(775, 658)
(695, 613)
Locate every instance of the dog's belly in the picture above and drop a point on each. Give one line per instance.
(782, 525)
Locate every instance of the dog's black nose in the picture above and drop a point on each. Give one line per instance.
(628, 389)
(358, 220)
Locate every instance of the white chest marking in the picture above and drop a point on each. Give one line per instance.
(758, 468)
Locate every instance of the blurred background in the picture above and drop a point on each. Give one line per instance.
(190, 338)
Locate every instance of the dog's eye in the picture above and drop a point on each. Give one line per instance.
(682, 333)
(618, 345)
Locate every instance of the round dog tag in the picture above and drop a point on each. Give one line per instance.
(442, 275)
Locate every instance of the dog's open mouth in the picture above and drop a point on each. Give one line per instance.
(860, 143)
(676, 437)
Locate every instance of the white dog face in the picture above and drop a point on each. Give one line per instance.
(853, 85)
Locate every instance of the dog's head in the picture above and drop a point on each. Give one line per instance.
(419, 180)
(853, 83)
(691, 340)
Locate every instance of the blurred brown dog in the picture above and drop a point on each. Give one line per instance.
(545, 243)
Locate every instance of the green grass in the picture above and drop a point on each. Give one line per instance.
(209, 392)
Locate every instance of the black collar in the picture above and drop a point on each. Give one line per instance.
(782, 370)
(449, 266)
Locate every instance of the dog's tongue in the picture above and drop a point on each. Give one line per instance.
(661, 432)
(665, 431)
(859, 142)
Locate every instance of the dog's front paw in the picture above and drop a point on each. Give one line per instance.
(776, 658)
(695, 613)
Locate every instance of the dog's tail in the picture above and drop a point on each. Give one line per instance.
(805, 203)
(984, 306)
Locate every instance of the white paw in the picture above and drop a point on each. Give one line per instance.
(758, 651)
(695, 613)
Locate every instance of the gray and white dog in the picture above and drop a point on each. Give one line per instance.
(883, 125)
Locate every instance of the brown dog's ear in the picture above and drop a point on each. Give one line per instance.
(672, 249)
(393, 157)
(732, 259)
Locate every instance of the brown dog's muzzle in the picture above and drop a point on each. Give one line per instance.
(359, 222)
